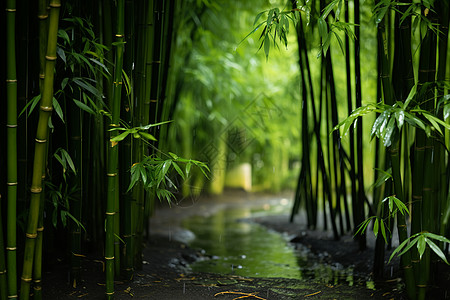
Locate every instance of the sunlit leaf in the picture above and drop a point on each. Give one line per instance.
(421, 245)
(437, 250)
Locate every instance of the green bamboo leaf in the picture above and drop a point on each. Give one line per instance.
(341, 43)
(63, 34)
(411, 96)
(81, 82)
(58, 109)
(83, 106)
(31, 104)
(387, 133)
(258, 16)
(323, 28)
(436, 237)
(410, 245)
(329, 8)
(188, 168)
(379, 124)
(421, 245)
(362, 227)
(375, 227)
(400, 205)
(120, 137)
(61, 54)
(400, 117)
(147, 136)
(398, 249)
(69, 160)
(143, 173)
(270, 16)
(437, 250)
(75, 220)
(433, 121)
(178, 169)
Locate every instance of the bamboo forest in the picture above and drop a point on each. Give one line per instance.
(229, 149)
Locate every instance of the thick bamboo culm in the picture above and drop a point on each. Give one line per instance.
(43, 37)
(40, 150)
(11, 131)
(113, 152)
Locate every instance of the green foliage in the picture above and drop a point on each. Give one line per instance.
(422, 239)
(392, 118)
(153, 172)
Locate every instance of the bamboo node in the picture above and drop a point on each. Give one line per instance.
(2, 272)
(111, 174)
(26, 279)
(11, 248)
(120, 35)
(11, 125)
(12, 183)
(37, 287)
(13, 297)
(11, 10)
(109, 294)
(109, 257)
(36, 190)
(421, 285)
(153, 100)
(46, 108)
(41, 76)
(31, 235)
(11, 80)
(42, 17)
(55, 5)
(37, 281)
(110, 213)
(50, 58)
(40, 229)
(40, 141)
(117, 83)
(114, 125)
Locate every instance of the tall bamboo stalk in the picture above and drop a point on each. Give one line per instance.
(126, 147)
(40, 150)
(43, 37)
(3, 284)
(113, 152)
(359, 129)
(11, 131)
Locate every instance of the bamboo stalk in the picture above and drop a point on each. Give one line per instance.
(11, 135)
(3, 282)
(359, 128)
(40, 150)
(43, 37)
(113, 152)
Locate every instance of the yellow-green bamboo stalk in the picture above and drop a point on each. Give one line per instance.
(40, 150)
(11, 132)
(113, 153)
(43, 33)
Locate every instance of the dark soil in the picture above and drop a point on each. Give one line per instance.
(166, 274)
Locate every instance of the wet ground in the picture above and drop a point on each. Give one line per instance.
(237, 246)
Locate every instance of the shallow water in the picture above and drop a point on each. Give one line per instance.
(232, 244)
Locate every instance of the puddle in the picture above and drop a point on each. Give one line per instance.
(232, 244)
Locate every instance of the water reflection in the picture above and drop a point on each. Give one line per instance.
(233, 246)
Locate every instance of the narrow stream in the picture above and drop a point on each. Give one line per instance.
(233, 244)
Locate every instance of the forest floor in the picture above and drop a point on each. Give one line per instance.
(166, 272)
